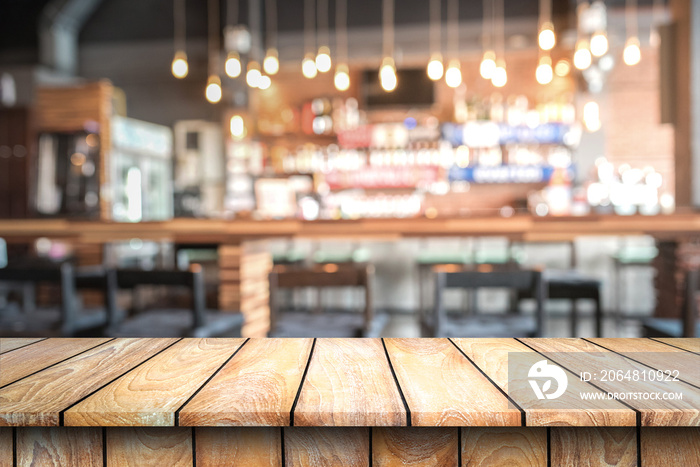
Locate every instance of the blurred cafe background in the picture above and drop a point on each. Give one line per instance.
(324, 168)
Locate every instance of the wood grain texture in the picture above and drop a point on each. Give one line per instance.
(349, 383)
(257, 387)
(74, 447)
(255, 446)
(579, 355)
(511, 446)
(27, 360)
(443, 388)
(149, 447)
(670, 446)
(492, 356)
(330, 446)
(691, 344)
(38, 399)
(603, 446)
(5, 447)
(12, 343)
(394, 447)
(656, 355)
(151, 394)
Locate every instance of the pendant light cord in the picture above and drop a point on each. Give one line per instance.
(213, 37)
(322, 20)
(486, 24)
(180, 26)
(435, 30)
(499, 13)
(232, 12)
(631, 18)
(309, 26)
(388, 30)
(341, 29)
(271, 23)
(453, 28)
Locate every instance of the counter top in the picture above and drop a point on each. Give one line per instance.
(334, 382)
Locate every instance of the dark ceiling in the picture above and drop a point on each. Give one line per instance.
(142, 20)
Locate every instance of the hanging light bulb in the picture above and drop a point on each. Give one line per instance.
(599, 44)
(632, 54)
(500, 76)
(179, 66)
(453, 75)
(271, 63)
(341, 80)
(591, 116)
(237, 126)
(547, 39)
(308, 66)
(253, 75)
(544, 72)
(387, 74)
(323, 59)
(488, 64)
(562, 68)
(582, 56)
(233, 65)
(435, 68)
(264, 82)
(213, 90)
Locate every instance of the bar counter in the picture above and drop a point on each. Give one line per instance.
(333, 402)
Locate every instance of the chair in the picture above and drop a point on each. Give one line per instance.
(626, 259)
(195, 321)
(482, 325)
(70, 318)
(336, 324)
(688, 325)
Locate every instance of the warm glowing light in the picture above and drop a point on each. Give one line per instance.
(389, 82)
(582, 56)
(179, 66)
(488, 65)
(264, 82)
(323, 59)
(591, 116)
(563, 68)
(388, 69)
(547, 39)
(632, 54)
(238, 129)
(599, 44)
(435, 68)
(342, 78)
(453, 75)
(233, 65)
(213, 90)
(500, 76)
(308, 67)
(544, 72)
(253, 75)
(271, 63)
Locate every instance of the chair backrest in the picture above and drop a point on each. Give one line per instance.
(690, 308)
(3, 253)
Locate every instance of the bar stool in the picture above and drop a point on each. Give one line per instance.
(626, 259)
(688, 325)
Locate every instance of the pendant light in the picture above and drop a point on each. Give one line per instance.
(232, 66)
(488, 61)
(599, 44)
(323, 56)
(500, 75)
(341, 80)
(435, 68)
(253, 74)
(453, 75)
(544, 73)
(632, 54)
(179, 66)
(308, 64)
(271, 62)
(546, 37)
(387, 71)
(582, 56)
(213, 90)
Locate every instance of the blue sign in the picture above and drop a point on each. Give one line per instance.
(504, 174)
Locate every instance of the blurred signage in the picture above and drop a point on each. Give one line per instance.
(382, 177)
(360, 137)
(490, 134)
(141, 137)
(504, 174)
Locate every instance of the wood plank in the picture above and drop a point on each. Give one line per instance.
(337, 447)
(491, 355)
(657, 355)
(257, 387)
(598, 446)
(38, 399)
(670, 446)
(11, 343)
(349, 383)
(6, 447)
(579, 355)
(691, 344)
(151, 446)
(151, 394)
(255, 446)
(442, 388)
(65, 447)
(394, 447)
(30, 359)
(508, 446)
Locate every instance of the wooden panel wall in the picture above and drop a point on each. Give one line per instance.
(16, 156)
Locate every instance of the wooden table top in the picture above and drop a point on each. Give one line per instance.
(329, 382)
